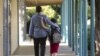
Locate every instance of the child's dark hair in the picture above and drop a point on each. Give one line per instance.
(53, 20)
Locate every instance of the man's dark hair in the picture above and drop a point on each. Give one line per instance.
(38, 9)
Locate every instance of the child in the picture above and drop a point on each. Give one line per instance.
(53, 46)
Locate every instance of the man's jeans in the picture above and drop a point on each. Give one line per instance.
(39, 46)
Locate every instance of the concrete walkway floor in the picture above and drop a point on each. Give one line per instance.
(29, 51)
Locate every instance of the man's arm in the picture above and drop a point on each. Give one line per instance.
(31, 28)
(50, 22)
(43, 24)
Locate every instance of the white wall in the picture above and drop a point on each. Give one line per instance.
(1, 27)
(14, 25)
(22, 23)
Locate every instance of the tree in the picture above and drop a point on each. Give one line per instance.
(97, 27)
(47, 10)
(57, 8)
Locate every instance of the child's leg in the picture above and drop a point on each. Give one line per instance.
(54, 54)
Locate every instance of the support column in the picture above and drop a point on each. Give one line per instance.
(65, 21)
(6, 28)
(69, 25)
(84, 35)
(80, 29)
(73, 23)
(14, 25)
(92, 28)
(1, 28)
(70, 22)
(83, 29)
(76, 26)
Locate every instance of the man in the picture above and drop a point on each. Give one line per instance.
(39, 32)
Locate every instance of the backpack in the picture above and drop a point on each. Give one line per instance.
(57, 37)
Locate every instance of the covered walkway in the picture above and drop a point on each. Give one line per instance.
(74, 27)
(29, 51)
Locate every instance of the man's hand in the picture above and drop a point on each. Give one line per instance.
(31, 37)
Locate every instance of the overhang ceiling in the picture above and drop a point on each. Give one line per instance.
(42, 2)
